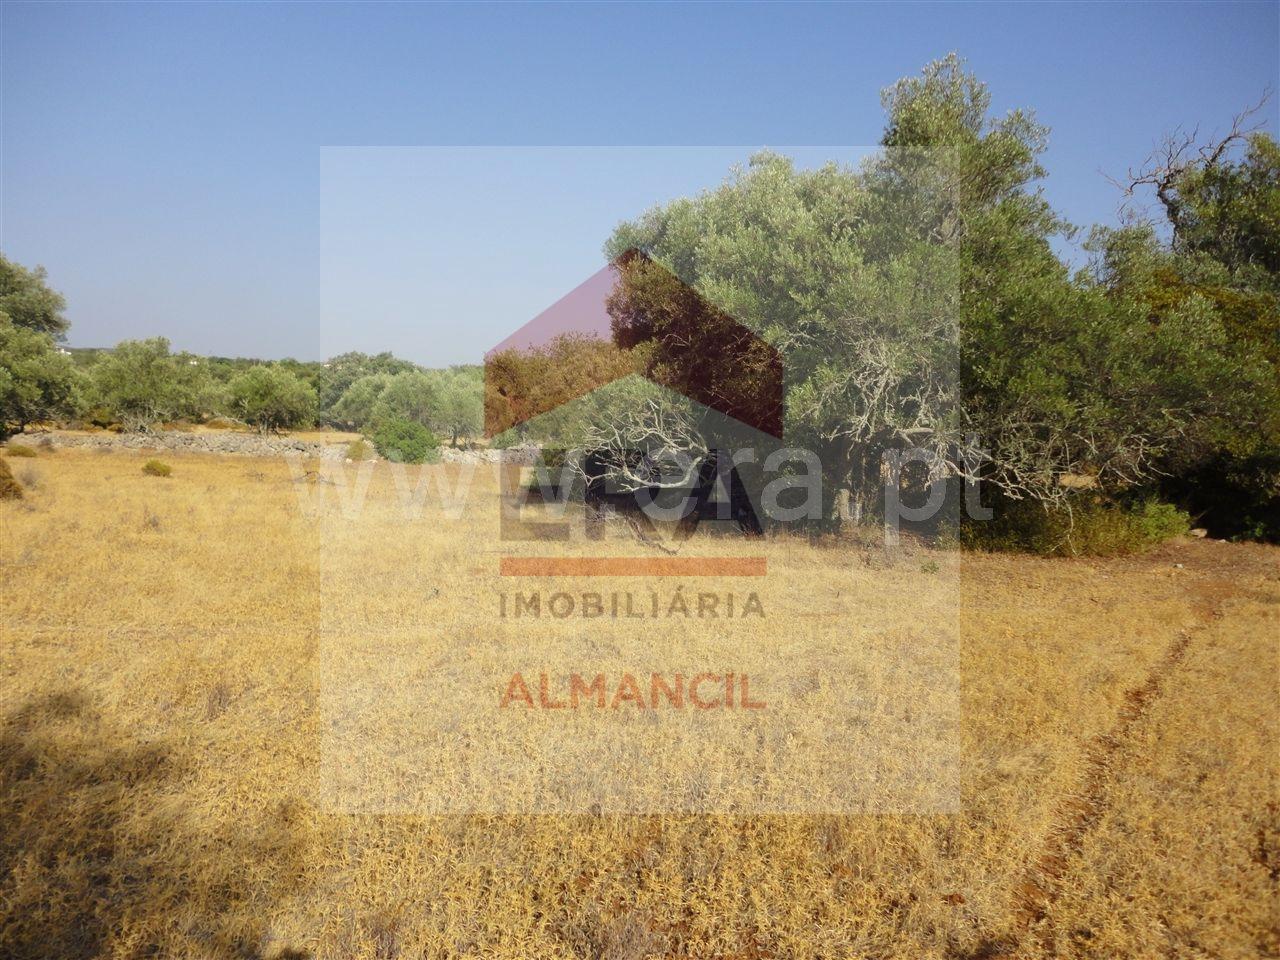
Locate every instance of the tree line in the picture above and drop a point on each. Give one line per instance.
(917, 301)
(141, 384)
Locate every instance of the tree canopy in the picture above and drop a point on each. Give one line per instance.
(37, 381)
(141, 382)
(272, 398)
(918, 301)
(28, 301)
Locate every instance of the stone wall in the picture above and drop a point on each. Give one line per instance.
(229, 442)
(243, 444)
(522, 455)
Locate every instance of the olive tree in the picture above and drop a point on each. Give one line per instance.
(37, 381)
(272, 398)
(460, 409)
(918, 303)
(358, 402)
(28, 300)
(141, 383)
(411, 395)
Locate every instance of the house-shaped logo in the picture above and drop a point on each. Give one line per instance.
(636, 318)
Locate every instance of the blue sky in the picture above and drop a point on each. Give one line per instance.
(168, 164)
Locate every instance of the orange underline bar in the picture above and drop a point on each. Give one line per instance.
(631, 566)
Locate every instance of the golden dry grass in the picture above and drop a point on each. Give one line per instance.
(165, 774)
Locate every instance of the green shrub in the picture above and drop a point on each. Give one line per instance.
(357, 450)
(1156, 522)
(1090, 527)
(406, 441)
(157, 468)
(19, 450)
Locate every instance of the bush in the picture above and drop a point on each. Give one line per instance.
(10, 489)
(157, 468)
(1091, 527)
(19, 450)
(406, 441)
(358, 450)
(1156, 522)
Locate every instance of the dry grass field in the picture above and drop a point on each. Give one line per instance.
(166, 789)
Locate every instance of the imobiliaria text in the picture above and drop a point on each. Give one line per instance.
(701, 691)
(625, 605)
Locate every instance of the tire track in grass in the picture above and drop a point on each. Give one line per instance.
(1041, 884)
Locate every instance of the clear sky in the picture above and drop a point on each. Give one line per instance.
(175, 166)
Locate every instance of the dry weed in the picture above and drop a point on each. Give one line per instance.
(161, 752)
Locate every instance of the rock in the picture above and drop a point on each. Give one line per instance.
(1200, 533)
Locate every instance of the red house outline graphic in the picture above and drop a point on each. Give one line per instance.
(723, 365)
